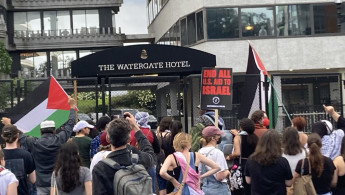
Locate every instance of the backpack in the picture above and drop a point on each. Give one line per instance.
(304, 185)
(226, 145)
(196, 132)
(130, 180)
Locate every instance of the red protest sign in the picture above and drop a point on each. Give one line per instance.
(216, 88)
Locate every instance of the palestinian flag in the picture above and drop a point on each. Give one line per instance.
(253, 95)
(48, 101)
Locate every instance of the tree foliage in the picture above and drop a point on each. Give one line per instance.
(5, 60)
(139, 99)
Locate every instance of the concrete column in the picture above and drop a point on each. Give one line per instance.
(161, 103)
(173, 99)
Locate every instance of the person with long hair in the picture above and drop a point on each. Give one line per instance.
(339, 163)
(292, 147)
(69, 176)
(299, 123)
(322, 168)
(266, 170)
(167, 147)
(245, 142)
(163, 133)
(178, 162)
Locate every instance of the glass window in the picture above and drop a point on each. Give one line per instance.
(57, 23)
(293, 20)
(61, 62)
(83, 53)
(92, 21)
(177, 33)
(63, 22)
(325, 18)
(20, 25)
(34, 64)
(79, 22)
(172, 35)
(27, 24)
(257, 21)
(200, 25)
(34, 22)
(222, 23)
(191, 29)
(183, 27)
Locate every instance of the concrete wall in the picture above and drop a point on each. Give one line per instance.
(281, 54)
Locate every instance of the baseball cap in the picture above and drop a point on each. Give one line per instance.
(81, 125)
(47, 124)
(211, 131)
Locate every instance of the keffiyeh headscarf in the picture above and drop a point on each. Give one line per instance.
(142, 119)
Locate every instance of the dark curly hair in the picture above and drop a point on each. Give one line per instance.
(257, 116)
(248, 125)
(67, 165)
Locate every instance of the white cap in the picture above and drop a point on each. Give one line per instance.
(47, 124)
(81, 125)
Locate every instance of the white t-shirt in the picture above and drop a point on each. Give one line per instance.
(98, 157)
(217, 156)
(293, 160)
(6, 178)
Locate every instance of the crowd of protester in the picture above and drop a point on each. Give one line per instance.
(72, 161)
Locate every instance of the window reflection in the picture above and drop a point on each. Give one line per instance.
(200, 25)
(57, 23)
(34, 64)
(222, 23)
(257, 21)
(191, 30)
(325, 19)
(27, 24)
(183, 26)
(293, 20)
(61, 62)
(85, 21)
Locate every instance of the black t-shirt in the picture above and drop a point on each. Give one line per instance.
(268, 179)
(21, 163)
(322, 184)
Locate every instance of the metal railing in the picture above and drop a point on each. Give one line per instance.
(66, 32)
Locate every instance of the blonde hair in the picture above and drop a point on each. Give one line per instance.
(182, 141)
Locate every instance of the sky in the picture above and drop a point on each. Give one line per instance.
(132, 17)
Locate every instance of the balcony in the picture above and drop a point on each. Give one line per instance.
(67, 38)
(56, 4)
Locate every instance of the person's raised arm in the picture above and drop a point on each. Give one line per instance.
(330, 110)
(146, 155)
(237, 145)
(66, 133)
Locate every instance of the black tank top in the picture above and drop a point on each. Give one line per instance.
(247, 149)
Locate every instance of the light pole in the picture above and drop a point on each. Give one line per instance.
(340, 16)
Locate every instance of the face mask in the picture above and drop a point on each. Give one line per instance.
(219, 140)
(265, 122)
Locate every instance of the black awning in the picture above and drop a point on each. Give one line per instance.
(143, 60)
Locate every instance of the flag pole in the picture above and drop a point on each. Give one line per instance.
(75, 93)
(279, 99)
(216, 118)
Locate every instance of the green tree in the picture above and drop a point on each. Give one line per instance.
(5, 60)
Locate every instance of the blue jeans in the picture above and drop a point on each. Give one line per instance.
(152, 173)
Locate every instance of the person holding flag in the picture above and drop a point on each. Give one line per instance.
(45, 149)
